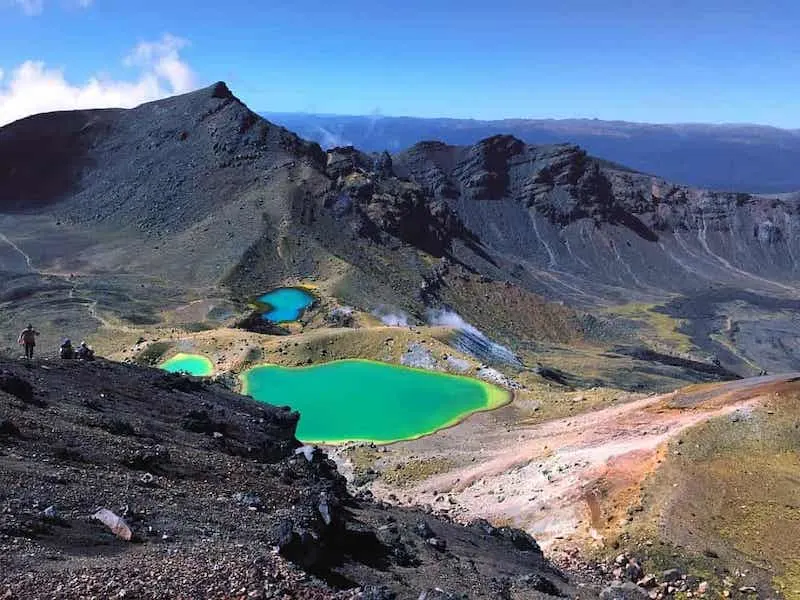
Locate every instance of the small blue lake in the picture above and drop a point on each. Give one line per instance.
(286, 304)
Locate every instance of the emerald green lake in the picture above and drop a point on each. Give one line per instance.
(193, 364)
(286, 304)
(360, 400)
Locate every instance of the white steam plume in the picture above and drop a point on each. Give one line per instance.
(476, 343)
(392, 318)
(329, 139)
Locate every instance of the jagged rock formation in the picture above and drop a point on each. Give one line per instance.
(555, 207)
(204, 477)
(385, 206)
(748, 158)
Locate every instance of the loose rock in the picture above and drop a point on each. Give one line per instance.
(116, 524)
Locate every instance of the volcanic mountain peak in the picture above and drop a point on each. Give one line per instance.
(191, 145)
(221, 90)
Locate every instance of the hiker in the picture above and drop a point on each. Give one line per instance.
(84, 352)
(28, 339)
(66, 350)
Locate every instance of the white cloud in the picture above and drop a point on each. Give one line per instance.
(32, 87)
(164, 58)
(30, 7)
(33, 8)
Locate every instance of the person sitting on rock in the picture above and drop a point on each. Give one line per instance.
(66, 350)
(28, 339)
(84, 352)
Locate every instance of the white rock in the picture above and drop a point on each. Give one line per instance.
(307, 451)
(116, 524)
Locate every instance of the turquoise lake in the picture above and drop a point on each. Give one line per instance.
(193, 364)
(362, 400)
(286, 304)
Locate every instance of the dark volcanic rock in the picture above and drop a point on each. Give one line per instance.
(372, 592)
(383, 165)
(8, 428)
(540, 584)
(715, 371)
(400, 209)
(256, 323)
(200, 421)
(485, 172)
(624, 591)
(423, 530)
(520, 539)
(204, 144)
(16, 386)
(347, 160)
(483, 526)
(440, 594)
(224, 501)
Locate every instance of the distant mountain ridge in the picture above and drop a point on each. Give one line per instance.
(750, 158)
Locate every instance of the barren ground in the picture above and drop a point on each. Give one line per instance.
(567, 481)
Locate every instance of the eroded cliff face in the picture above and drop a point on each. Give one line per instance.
(554, 208)
(366, 189)
(568, 226)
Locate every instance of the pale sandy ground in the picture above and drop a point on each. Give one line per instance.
(566, 481)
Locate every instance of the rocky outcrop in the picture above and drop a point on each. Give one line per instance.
(256, 323)
(403, 211)
(485, 171)
(562, 182)
(383, 205)
(345, 161)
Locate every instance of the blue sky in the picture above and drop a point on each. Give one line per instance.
(670, 61)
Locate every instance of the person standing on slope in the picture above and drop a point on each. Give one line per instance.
(28, 339)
